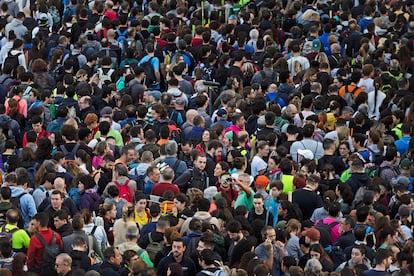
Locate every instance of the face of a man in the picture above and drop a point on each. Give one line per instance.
(271, 235)
(186, 149)
(117, 259)
(154, 177)
(37, 127)
(131, 155)
(56, 202)
(234, 236)
(258, 204)
(58, 222)
(200, 163)
(178, 249)
(61, 267)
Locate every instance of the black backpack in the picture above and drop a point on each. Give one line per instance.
(325, 231)
(70, 155)
(150, 78)
(13, 59)
(50, 251)
(268, 79)
(15, 201)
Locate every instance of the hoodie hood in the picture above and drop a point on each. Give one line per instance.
(16, 191)
(16, 23)
(203, 216)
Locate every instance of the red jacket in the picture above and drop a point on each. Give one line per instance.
(35, 251)
(161, 187)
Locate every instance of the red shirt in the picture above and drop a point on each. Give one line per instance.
(160, 188)
(40, 135)
(35, 250)
(111, 15)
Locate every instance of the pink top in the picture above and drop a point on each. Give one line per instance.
(334, 230)
(97, 161)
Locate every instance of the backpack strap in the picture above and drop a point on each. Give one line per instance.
(150, 238)
(176, 164)
(93, 230)
(64, 150)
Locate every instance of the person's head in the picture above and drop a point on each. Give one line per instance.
(153, 174)
(141, 201)
(61, 218)
(347, 224)
(234, 230)
(269, 233)
(383, 257)
(41, 220)
(85, 182)
(206, 257)
(276, 188)
(63, 263)
(258, 202)
(56, 200)
(206, 242)
(178, 248)
(200, 162)
(12, 216)
(358, 254)
(112, 255)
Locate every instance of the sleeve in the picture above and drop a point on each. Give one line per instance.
(294, 151)
(182, 181)
(156, 63)
(144, 256)
(34, 247)
(31, 206)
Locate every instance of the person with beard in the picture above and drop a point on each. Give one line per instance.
(383, 259)
(238, 243)
(177, 256)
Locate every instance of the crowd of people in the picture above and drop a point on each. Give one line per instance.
(178, 138)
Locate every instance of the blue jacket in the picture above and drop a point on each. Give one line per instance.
(27, 204)
(402, 144)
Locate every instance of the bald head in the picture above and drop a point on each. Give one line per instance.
(190, 115)
(59, 184)
(110, 34)
(291, 110)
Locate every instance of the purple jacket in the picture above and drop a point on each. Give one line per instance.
(90, 200)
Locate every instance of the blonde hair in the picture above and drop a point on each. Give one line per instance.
(293, 225)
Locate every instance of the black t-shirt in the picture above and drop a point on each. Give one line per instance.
(307, 201)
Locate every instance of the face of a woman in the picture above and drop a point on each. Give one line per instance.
(81, 187)
(314, 77)
(218, 170)
(179, 205)
(315, 255)
(271, 164)
(141, 205)
(343, 150)
(206, 136)
(356, 256)
(112, 213)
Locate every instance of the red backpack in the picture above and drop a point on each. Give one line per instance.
(124, 191)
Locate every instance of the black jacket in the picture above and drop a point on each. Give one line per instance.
(80, 259)
(192, 178)
(358, 180)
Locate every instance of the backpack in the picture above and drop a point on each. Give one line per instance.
(69, 155)
(8, 234)
(72, 112)
(13, 59)
(150, 78)
(114, 60)
(3, 90)
(92, 253)
(31, 171)
(121, 35)
(124, 191)
(50, 251)
(75, 61)
(349, 96)
(175, 132)
(337, 255)
(325, 230)
(53, 11)
(15, 201)
(219, 272)
(106, 77)
(154, 247)
(139, 179)
(268, 80)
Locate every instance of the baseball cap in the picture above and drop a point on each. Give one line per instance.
(348, 109)
(316, 45)
(210, 192)
(400, 180)
(405, 163)
(154, 93)
(262, 181)
(222, 112)
(233, 17)
(307, 154)
(312, 234)
(107, 110)
(404, 211)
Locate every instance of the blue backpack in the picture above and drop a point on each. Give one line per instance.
(121, 35)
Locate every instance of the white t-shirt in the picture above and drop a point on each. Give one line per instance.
(258, 164)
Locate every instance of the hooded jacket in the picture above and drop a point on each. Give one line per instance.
(201, 215)
(358, 180)
(90, 200)
(17, 26)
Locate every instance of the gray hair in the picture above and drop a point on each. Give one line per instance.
(171, 147)
(66, 259)
(313, 267)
